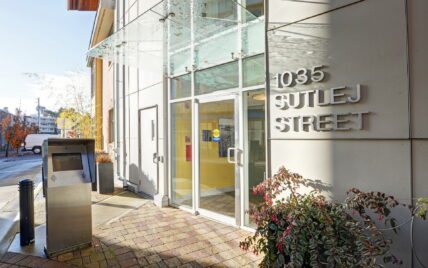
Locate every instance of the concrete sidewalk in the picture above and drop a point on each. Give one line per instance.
(114, 207)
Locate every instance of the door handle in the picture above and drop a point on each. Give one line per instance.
(229, 160)
(157, 158)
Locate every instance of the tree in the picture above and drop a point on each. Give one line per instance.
(78, 125)
(72, 93)
(16, 129)
(71, 90)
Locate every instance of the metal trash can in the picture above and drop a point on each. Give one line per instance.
(69, 170)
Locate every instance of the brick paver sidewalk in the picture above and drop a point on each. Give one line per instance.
(15, 260)
(162, 237)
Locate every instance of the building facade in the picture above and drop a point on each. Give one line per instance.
(102, 77)
(211, 97)
(46, 125)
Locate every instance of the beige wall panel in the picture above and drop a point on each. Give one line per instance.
(133, 10)
(150, 78)
(368, 165)
(133, 139)
(151, 59)
(287, 11)
(363, 44)
(126, 136)
(418, 44)
(133, 80)
(152, 96)
(143, 6)
(108, 102)
(420, 186)
(126, 14)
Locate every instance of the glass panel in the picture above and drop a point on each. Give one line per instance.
(254, 102)
(253, 38)
(179, 27)
(217, 78)
(217, 176)
(142, 41)
(137, 43)
(214, 16)
(67, 161)
(181, 153)
(254, 71)
(180, 62)
(181, 86)
(208, 54)
(253, 9)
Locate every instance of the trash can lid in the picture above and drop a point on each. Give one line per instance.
(25, 181)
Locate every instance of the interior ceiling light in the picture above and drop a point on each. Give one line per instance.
(259, 97)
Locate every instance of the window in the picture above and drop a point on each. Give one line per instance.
(213, 16)
(67, 161)
(181, 86)
(254, 8)
(254, 70)
(221, 77)
(181, 153)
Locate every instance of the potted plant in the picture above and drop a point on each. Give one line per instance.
(105, 180)
(304, 229)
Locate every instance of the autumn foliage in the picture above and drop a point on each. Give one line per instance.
(15, 130)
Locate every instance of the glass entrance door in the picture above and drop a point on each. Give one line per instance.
(218, 159)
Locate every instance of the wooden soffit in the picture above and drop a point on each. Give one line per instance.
(82, 5)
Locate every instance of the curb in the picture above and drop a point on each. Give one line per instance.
(11, 225)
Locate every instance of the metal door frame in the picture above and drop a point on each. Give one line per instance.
(157, 146)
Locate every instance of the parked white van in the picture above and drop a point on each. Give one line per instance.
(33, 142)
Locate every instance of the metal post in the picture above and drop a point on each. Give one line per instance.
(38, 115)
(26, 209)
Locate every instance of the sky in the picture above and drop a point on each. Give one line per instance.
(40, 36)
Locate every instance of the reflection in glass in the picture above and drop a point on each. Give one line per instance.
(181, 153)
(181, 86)
(214, 16)
(255, 134)
(180, 62)
(217, 176)
(253, 38)
(254, 70)
(207, 53)
(179, 29)
(221, 77)
(67, 161)
(253, 9)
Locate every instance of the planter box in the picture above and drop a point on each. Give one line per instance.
(105, 180)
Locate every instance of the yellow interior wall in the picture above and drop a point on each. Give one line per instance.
(99, 104)
(183, 169)
(215, 171)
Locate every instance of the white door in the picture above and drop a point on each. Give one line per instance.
(148, 151)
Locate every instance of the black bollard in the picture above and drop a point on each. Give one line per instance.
(26, 209)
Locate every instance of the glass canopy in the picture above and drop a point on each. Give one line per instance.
(200, 35)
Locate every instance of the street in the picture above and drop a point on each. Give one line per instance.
(14, 169)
